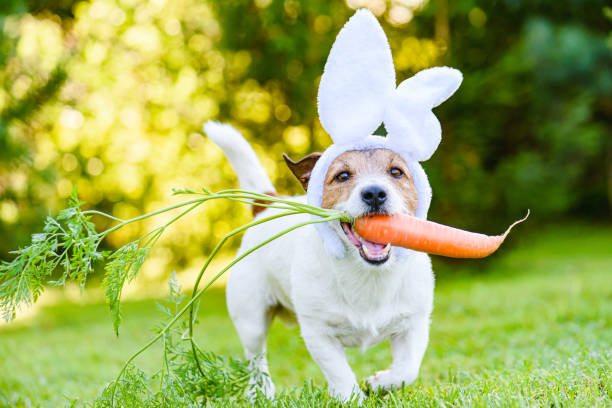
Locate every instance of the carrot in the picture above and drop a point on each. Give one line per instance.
(427, 236)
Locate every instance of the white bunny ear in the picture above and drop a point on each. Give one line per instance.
(359, 77)
(435, 84)
(410, 123)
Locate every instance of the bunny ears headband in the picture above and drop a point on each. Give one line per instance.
(357, 93)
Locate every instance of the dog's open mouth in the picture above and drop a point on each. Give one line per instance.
(370, 251)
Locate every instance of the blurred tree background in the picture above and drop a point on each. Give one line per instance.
(110, 96)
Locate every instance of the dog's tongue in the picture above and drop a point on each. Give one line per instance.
(372, 247)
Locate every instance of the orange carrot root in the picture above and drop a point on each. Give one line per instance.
(427, 236)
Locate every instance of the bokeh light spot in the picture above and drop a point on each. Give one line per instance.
(18, 182)
(263, 3)
(71, 118)
(477, 17)
(95, 53)
(95, 166)
(297, 138)
(125, 211)
(377, 7)
(415, 54)
(117, 17)
(199, 43)
(399, 15)
(69, 162)
(130, 117)
(9, 213)
(64, 188)
(282, 112)
(195, 141)
(98, 9)
(143, 38)
(137, 152)
(322, 24)
(172, 27)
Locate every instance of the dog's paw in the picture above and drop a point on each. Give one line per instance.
(348, 394)
(255, 394)
(260, 384)
(388, 380)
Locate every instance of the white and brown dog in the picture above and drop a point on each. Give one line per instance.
(344, 290)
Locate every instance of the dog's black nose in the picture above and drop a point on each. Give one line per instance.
(374, 196)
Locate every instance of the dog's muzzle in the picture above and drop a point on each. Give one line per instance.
(375, 199)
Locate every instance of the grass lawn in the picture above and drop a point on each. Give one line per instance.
(535, 330)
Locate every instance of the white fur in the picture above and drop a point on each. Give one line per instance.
(338, 302)
(241, 156)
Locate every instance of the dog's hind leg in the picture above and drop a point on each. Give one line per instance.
(251, 311)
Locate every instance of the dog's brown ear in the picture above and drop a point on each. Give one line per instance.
(302, 168)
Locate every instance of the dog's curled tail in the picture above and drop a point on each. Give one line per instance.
(241, 156)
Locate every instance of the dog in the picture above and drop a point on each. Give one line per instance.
(357, 301)
(343, 290)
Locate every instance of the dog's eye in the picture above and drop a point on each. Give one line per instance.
(342, 176)
(395, 172)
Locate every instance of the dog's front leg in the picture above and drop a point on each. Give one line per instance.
(407, 348)
(328, 353)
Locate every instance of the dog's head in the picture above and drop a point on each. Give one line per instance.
(362, 182)
(363, 173)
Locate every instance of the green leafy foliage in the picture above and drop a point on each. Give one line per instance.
(122, 266)
(179, 382)
(129, 391)
(210, 377)
(69, 246)
(69, 241)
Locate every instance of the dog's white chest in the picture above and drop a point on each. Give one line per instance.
(361, 306)
(364, 331)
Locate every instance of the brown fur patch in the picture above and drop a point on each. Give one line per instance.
(303, 167)
(375, 162)
(256, 209)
